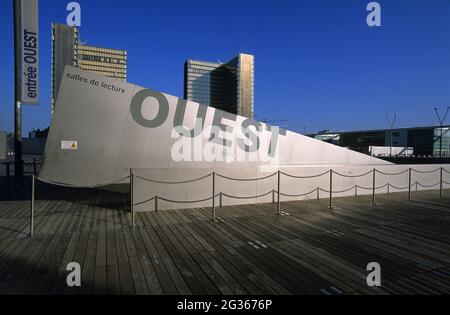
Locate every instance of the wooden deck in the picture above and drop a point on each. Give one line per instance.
(250, 251)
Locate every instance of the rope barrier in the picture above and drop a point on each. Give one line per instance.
(428, 186)
(24, 163)
(299, 195)
(187, 201)
(143, 202)
(336, 192)
(400, 188)
(31, 164)
(174, 183)
(305, 177)
(267, 177)
(246, 179)
(371, 188)
(426, 172)
(221, 195)
(252, 197)
(392, 174)
(174, 201)
(344, 191)
(73, 186)
(353, 176)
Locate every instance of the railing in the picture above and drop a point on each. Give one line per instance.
(275, 192)
(35, 164)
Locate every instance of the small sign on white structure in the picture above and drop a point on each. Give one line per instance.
(69, 145)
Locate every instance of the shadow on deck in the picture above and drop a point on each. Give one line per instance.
(251, 250)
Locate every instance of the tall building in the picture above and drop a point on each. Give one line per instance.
(67, 50)
(229, 86)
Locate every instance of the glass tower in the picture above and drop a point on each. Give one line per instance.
(229, 86)
(66, 50)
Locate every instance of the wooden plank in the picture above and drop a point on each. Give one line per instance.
(252, 251)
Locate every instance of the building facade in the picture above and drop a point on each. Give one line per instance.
(424, 141)
(229, 86)
(67, 50)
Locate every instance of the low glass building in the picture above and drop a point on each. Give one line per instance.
(425, 141)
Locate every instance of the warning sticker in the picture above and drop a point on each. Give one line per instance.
(69, 145)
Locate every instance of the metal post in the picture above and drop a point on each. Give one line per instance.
(33, 190)
(18, 166)
(318, 193)
(356, 190)
(441, 122)
(391, 127)
(133, 217)
(156, 203)
(279, 199)
(391, 142)
(8, 179)
(214, 196)
(273, 196)
(331, 189)
(440, 184)
(389, 188)
(409, 186)
(131, 190)
(417, 186)
(374, 187)
(22, 178)
(221, 197)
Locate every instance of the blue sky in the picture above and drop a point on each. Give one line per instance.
(316, 61)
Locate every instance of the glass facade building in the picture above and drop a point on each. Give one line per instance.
(104, 61)
(425, 141)
(67, 50)
(445, 141)
(64, 52)
(229, 86)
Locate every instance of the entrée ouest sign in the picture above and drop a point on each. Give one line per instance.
(30, 52)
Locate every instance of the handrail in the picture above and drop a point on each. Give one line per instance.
(23, 162)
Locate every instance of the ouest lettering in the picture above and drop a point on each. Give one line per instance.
(248, 126)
